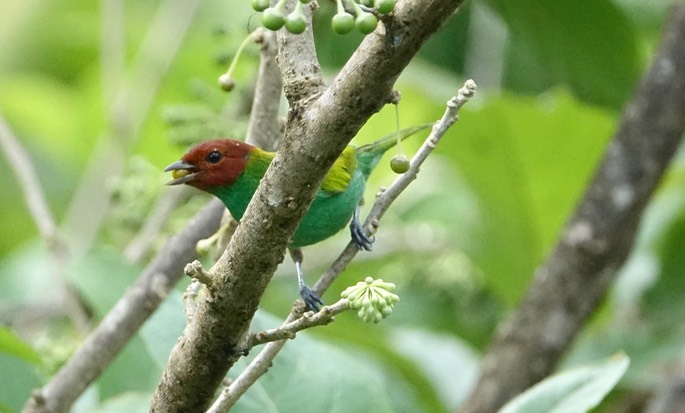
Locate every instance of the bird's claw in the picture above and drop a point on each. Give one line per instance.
(310, 298)
(359, 237)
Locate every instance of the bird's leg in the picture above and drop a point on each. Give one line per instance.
(310, 298)
(359, 237)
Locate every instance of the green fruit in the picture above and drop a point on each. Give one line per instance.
(367, 3)
(342, 23)
(399, 164)
(385, 6)
(366, 22)
(260, 5)
(295, 23)
(273, 19)
(226, 82)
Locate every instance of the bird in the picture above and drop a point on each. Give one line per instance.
(231, 170)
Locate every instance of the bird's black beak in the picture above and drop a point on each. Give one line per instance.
(182, 173)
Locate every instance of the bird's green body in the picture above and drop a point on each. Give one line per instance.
(234, 176)
(330, 211)
(231, 170)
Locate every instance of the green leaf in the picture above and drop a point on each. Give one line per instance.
(134, 369)
(527, 161)
(129, 402)
(17, 379)
(14, 346)
(664, 300)
(344, 381)
(161, 332)
(560, 40)
(447, 354)
(102, 277)
(574, 391)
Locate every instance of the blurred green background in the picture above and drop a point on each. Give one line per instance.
(104, 94)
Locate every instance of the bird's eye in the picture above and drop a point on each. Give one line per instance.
(214, 157)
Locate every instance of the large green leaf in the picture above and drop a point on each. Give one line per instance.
(527, 160)
(447, 355)
(101, 277)
(129, 402)
(310, 376)
(17, 379)
(573, 391)
(664, 301)
(12, 345)
(589, 45)
(342, 381)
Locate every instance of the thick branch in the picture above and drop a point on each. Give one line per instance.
(575, 278)
(260, 364)
(317, 131)
(126, 317)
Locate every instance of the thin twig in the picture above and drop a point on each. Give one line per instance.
(265, 130)
(27, 178)
(260, 364)
(127, 109)
(196, 271)
(275, 339)
(26, 175)
(308, 320)
(385, 198)
(145, 238)
(126, 317)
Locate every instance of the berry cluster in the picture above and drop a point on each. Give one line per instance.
(373, 298)
(351, 13)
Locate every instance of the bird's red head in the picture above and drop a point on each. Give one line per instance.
(210, 164)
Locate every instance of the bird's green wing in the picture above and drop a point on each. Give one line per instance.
(341, 172)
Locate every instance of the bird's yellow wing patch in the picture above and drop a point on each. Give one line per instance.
(341, 172)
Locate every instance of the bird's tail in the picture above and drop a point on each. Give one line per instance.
(369, 155)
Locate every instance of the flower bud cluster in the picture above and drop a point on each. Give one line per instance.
(374, 299)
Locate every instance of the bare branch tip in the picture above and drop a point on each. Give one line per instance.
(258, 35)
(395, 97)
(468, 90)
(196, 271)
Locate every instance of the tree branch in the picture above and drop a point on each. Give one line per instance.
(385, 198)
(308, 320)
(318, 129)
(260, 364)
(141, 244)
(126, 110)
(265, 129)
(126, 317)
(27, 178)
(570, 285)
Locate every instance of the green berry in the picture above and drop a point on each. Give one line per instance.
(260, 5)
(385, 6)
(367, 3)
(342, 23)
(226, 82)
(366, 22)
(399, 164)
(295, 23)
(273, 18)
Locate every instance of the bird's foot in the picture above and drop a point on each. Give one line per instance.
(359, 237)
(310, 298)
